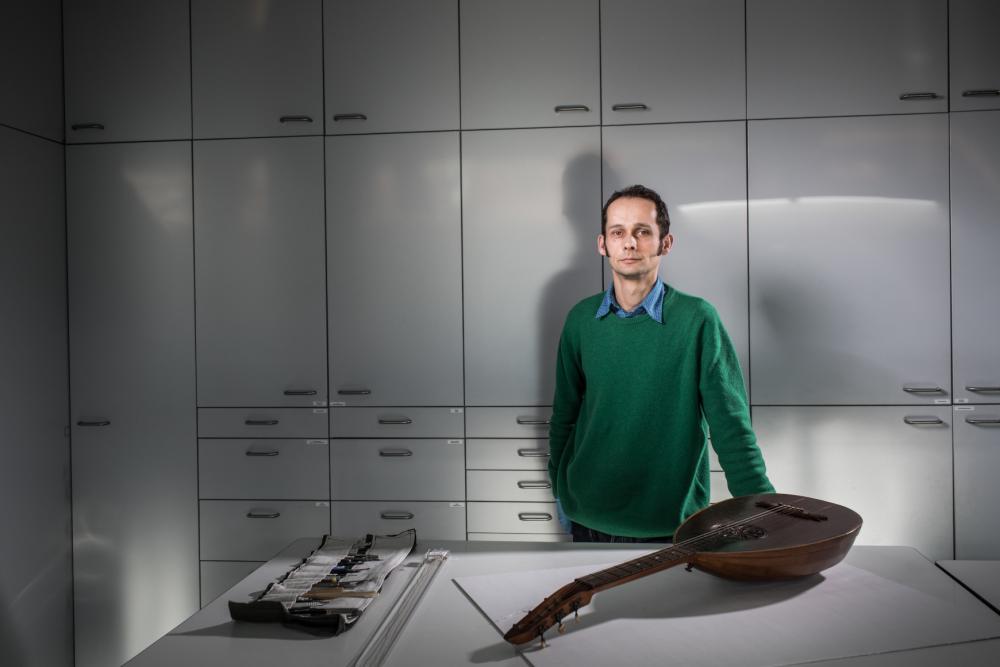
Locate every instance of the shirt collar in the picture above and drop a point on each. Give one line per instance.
(652, 305)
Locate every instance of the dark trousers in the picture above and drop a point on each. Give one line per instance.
(584, 534)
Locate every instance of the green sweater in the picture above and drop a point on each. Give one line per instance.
(634, 402)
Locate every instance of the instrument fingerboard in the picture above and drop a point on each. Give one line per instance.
(658, 560)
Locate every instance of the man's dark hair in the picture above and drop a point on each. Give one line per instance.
(640, 192)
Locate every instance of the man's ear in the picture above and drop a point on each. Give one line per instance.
(666, 244)
(601, 249)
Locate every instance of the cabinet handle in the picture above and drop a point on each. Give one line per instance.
(985, 389)
(536, 484)
(396, 516)
(923, 421)
(399, 420)
(268, 452)
(986, 92)
(261, 422)
(296, 119)
(919, 96)
(533, 421)
(571, 107)
(300, 392)
(991, 419)
(87, 126)
(532, 453)
(629, 107)
(916, 389)
(395, 452)
(534, 516)
(354, 392)
(349, 116)
(103, 422)
(263, 514)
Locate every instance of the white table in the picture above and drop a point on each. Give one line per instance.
(982, 577)
(447, 628)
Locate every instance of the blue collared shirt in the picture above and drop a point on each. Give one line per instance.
(652, 305)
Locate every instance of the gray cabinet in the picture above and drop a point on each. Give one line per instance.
(134, 457)
(32, 68)
(846, 57)
(219, 576)
(127, 70)
(529, 64)
(975, 238)
(892, 465)
(260, 272)
(849, 276)
(398, 469)
(394, 252)
(975, 54)
(675, 60)
(700, 171)
(432, 520)
(249, 530)
(531, 215)
(257, 68)
(390, 66)
(272, 468)
(977, 458)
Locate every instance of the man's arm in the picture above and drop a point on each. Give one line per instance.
(566, 401)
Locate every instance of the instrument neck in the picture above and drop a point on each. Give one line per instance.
(638, 567)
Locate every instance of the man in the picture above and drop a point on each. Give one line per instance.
(643, 373)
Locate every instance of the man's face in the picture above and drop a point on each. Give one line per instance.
(631, 240)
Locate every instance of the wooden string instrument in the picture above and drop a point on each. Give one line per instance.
(768, 536)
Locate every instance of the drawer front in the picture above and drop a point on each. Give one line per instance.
(257, 530)
(487, 517)
(217, 577)
(266, 468)
(507, 454)
(529, 422)
(397, 422)
(263, 422)
(520, 537)
(530, 486)
(399, 469)
(432, 520)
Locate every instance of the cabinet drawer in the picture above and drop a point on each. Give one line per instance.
(257, 530)
(513, 518)
(268, 468)
(513, 454)
(530, 486)
(262, 422)
(432, 520)
(529, 422)
(520, 537)
(397, 469)
(217, 577)
(397, 423)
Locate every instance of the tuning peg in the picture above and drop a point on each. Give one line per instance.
(541, 636)
(576, 612)
(562, 628)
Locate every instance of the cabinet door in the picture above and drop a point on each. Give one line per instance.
(257, 68)
(394, 248)
(892, 465)
(134, 458)
(128, 70)
(849, 260)
(408, 81)
(975, 228)
(260, 272)
(846, 57)
(977, 458)
(531, 211)
(32, 74)
(529, 64)
(700, 171)
(975, 54)
(674, 60)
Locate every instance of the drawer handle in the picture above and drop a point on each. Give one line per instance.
(396, 516)
(534, 516)
(296, 119)
(350, 116)
(263, 514)
(300, 392)
(629, 107)
(984, 390)
(991, 419)
(395, 421)
(533, 453)
(923, 421)
(536, 484)
(87, 126)
(261, 422)
(266, 452)
(395, 452)
(533, 421)
(916, 389)
(354, 392)
(103, 422)
(571, 107)
(919, 96)
(986, 92)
